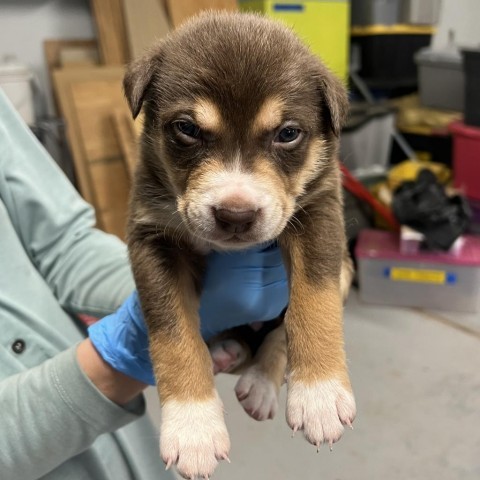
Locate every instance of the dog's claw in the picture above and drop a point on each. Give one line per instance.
(295, 430)
(225, 457)
(348, 423)
(330, 445)
(168, 465)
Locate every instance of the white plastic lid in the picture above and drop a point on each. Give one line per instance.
(448, 56)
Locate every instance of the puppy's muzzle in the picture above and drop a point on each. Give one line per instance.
(234, 221)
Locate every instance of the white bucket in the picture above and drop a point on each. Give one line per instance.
(16, 82)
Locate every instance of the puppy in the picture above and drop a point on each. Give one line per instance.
(239, 148)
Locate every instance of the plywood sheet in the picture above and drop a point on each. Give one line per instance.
(181, 10)
(111, 31)
(146, 22)
(53, 50)
(71, 57)
(88, 98)
(56, 50)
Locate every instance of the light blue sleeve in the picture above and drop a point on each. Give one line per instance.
(87, 269)
(50, 414)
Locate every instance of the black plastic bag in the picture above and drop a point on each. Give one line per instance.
(424, 206)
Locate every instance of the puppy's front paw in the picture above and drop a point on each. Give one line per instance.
(320, 409)
(257, 394)
(227, 355)
(193, 436)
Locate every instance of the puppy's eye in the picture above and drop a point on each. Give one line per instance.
(188, 128)
(187, 131)
(288, 137)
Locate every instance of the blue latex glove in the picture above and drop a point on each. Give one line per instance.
(122, 341)
(239, 288)
(242, 287)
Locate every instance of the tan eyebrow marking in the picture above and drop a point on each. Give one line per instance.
(207, 115)
(269, 115)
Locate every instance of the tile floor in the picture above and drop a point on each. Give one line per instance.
(416, 377)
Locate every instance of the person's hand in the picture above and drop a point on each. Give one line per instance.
(239, 288)
(122, 341)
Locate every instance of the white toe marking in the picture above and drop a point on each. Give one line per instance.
(193, 436)
(320, 410)
(257, 394)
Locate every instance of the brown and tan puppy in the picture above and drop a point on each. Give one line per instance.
(238, 148)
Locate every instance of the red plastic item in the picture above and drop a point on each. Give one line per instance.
(356, 188)
(466, 159)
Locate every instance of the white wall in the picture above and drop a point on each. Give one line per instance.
(463, 18)
(25, 24)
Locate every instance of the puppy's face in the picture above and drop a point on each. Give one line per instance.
(241, 120)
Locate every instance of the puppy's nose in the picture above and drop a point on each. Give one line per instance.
(234, 221)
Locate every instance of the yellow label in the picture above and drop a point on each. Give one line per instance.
(437, 277)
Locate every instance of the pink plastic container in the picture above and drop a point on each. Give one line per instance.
(437, 280)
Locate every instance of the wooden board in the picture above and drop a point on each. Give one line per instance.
(112, 37)
(88, 97)
(127, 138)
(146, 22)
(181, 10)
(72, 57)
(54, 51)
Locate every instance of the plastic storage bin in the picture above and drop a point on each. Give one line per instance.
(443, 281)
(366, 140)
(387, 54)
(323, 24)
(466, 159)
(471, 66)
(420, 12)
(441, 79)
(375, 12)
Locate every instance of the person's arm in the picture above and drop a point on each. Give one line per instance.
(116, 386)
(87, 270)
(55, 411)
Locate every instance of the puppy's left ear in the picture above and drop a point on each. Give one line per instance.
(138, 79)
(334, 99)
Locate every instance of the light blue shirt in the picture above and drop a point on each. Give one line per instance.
(54, 424)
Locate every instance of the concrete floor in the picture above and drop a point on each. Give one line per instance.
(416, 378)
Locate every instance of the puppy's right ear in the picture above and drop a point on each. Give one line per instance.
(138, 79)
